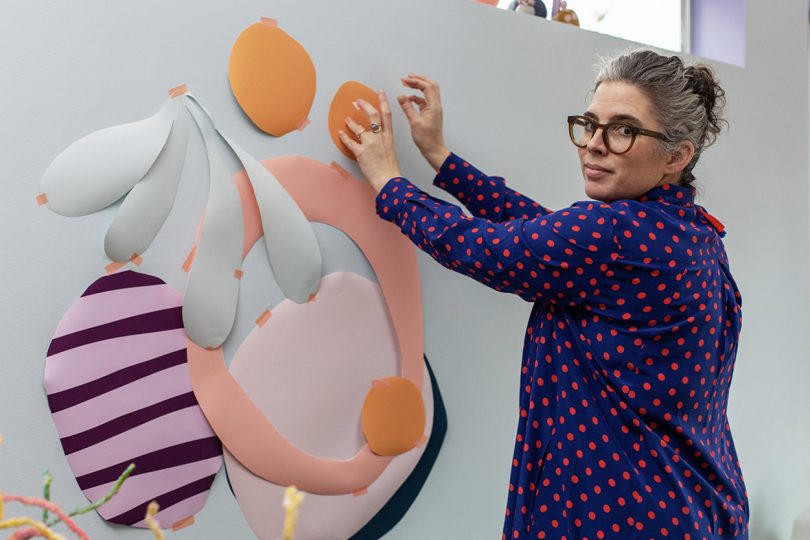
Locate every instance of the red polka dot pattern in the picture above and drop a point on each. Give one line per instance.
(628, 354)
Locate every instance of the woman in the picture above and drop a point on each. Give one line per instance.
(631, 344)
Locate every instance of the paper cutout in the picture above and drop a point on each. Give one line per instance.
(119, 392)
(148, 204)
(211, 296)
(259, 446)
(401, 501)
(98, 169)
(393, 417)
(305, 387)
(295, 256)
(292, 247)
(272, 78)
(315, 186)
(342, 106)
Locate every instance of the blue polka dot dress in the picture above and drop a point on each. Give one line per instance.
(627, 360)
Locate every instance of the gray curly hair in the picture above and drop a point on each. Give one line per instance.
(688, 101)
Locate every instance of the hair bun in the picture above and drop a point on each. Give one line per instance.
(703, 83)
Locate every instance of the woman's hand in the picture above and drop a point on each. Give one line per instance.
(426, 122)
(374, 150)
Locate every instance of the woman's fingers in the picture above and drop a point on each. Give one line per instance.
(385, 109)
(356, 128)
(428, 86)
(350, 143)
(422, 102)
(373, 114)
(407, 109)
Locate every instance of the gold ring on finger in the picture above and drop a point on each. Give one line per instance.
(358, 135)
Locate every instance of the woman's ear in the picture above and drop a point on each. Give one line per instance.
(679, 159)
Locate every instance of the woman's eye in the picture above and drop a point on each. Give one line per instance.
(624, 131)
(590, 127)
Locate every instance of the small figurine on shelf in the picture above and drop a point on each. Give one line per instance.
(563, 14)
(530, 7)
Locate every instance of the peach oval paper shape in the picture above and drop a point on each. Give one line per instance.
(119, 391)
(272, 78)
(342, 106)
(312, 390)
(393, 416)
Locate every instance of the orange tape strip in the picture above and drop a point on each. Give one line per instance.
(360, 492)
(183, 523)
(304, 123)
(380, 383)
(269, 22)
(343, 172)
(178, 90)
(263, 318)
(238, 274)
(114, 267)
(189, 260)
(311, 298)
(136, 259)
(42, 199)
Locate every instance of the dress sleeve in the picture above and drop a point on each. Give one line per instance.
(555, 258)
(485, 196)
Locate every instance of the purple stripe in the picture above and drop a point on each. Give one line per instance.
(122, 280)
(179, 454)
(65, 399)
(133, 516)
(157, 321)
(107, 430)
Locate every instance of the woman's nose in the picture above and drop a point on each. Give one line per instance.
(597, 143)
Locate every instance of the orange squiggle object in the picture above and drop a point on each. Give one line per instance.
(40, 527)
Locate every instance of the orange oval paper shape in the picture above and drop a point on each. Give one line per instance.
(272, 78)
(342, 107)
(393, 416)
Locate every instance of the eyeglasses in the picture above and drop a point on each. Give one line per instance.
(618, 137)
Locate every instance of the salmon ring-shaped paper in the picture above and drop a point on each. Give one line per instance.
(328, 195)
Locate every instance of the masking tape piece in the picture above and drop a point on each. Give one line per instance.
(263, 318)
(178, 90)
(114, 267)
(183, 523)
(343, 172)
(42, 199)
(238, 274)
(269, 22)
(189, 260)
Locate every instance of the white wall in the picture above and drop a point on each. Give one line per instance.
(69, 68)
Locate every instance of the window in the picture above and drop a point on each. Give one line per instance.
(709, 28)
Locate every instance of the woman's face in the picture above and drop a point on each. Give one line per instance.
(608, 176)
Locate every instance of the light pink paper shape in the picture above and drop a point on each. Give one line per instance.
(308, 369)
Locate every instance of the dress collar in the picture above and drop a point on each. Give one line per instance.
(672, 194)
(681, 196)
